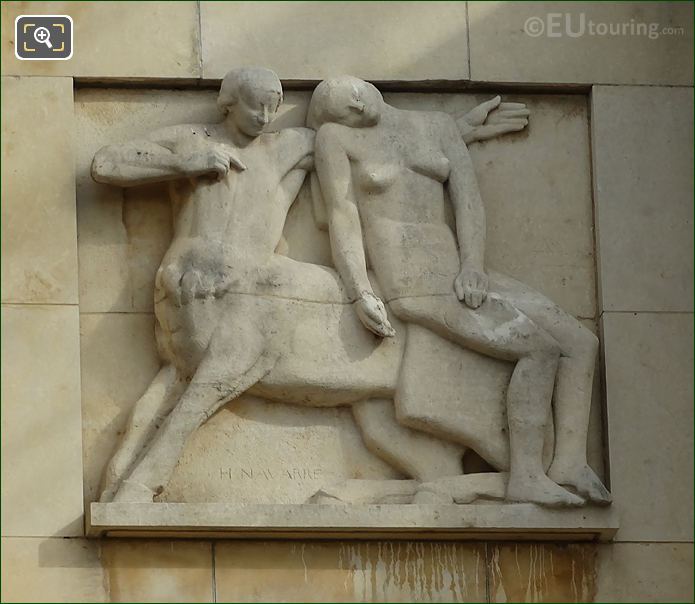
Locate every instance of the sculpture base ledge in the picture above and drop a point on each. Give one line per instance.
(310, 521)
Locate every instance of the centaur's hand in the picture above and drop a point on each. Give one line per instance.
(215, 160)
(372, 312)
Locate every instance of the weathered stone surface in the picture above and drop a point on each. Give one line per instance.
(39, 242)
(123, 233)
(52, 570)
(304, 41)
(649, 383)
(596, 448)
(236, 316)
(502, 51)
(643, 179)
(118, 361)
(120, 276)
(350, 572)
(222, 462)
(158, 571)
(150, 39)
(397, 219)
(541, 572)
(644, 572)
(520, 521)
(537, 192)
(41, 421)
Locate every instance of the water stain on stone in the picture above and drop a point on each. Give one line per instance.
(530, 572)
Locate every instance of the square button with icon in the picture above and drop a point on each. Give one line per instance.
(43, 37)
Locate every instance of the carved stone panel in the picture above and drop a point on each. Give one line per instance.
(305, 303)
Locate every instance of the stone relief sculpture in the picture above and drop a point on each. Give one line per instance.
(235, 316)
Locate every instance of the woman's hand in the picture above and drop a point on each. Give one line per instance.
(491, 119)
(471, 286)
(372, 312)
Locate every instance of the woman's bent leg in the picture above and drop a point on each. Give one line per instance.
(499, 330)
(573, 388)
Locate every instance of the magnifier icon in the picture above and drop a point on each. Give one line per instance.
(43, 36)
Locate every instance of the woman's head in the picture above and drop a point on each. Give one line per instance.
(251, 95)
(345, 100)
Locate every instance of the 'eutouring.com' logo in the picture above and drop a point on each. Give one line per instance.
(559, 25)
(43, 37)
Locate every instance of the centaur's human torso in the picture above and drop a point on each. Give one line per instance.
(229, 228)
(225, 237)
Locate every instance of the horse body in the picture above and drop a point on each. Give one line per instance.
(418, 399)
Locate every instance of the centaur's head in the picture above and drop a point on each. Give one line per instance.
(345, 100)
(250, 97)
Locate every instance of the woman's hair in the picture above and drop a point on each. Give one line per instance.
(245, 78)
(328, 102)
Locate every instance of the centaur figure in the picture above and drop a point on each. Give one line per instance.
(234, 316)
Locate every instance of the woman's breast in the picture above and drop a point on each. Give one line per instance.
(379, 176)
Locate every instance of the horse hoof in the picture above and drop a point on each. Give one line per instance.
(133, 492)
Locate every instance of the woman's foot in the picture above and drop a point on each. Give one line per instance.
(541, 490)
(583, 480)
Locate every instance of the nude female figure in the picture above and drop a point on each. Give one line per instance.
(385, 174)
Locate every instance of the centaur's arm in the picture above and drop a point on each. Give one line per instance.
(159, 158)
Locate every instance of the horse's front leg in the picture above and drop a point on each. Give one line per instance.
(235, 360)
(148, 414)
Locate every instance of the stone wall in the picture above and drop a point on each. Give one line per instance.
(611, 122)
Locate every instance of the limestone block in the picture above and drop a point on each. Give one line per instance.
(528, 179)
(502, 50)
(118, 360)
(643, 179)
(41, 421)
(39, 243)
(288, 334)
(158, 571)
(649, 384)
(644, 572)
(323, 520)
(222, 461)
(541, 572)
(596, 448)
(349, 572)
(123, 234)
(149, 39)
(52, 570)
(537, 192)
(306, 41)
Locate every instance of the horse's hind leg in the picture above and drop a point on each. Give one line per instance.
(419, 456)
(416, 454)
(147, 415)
